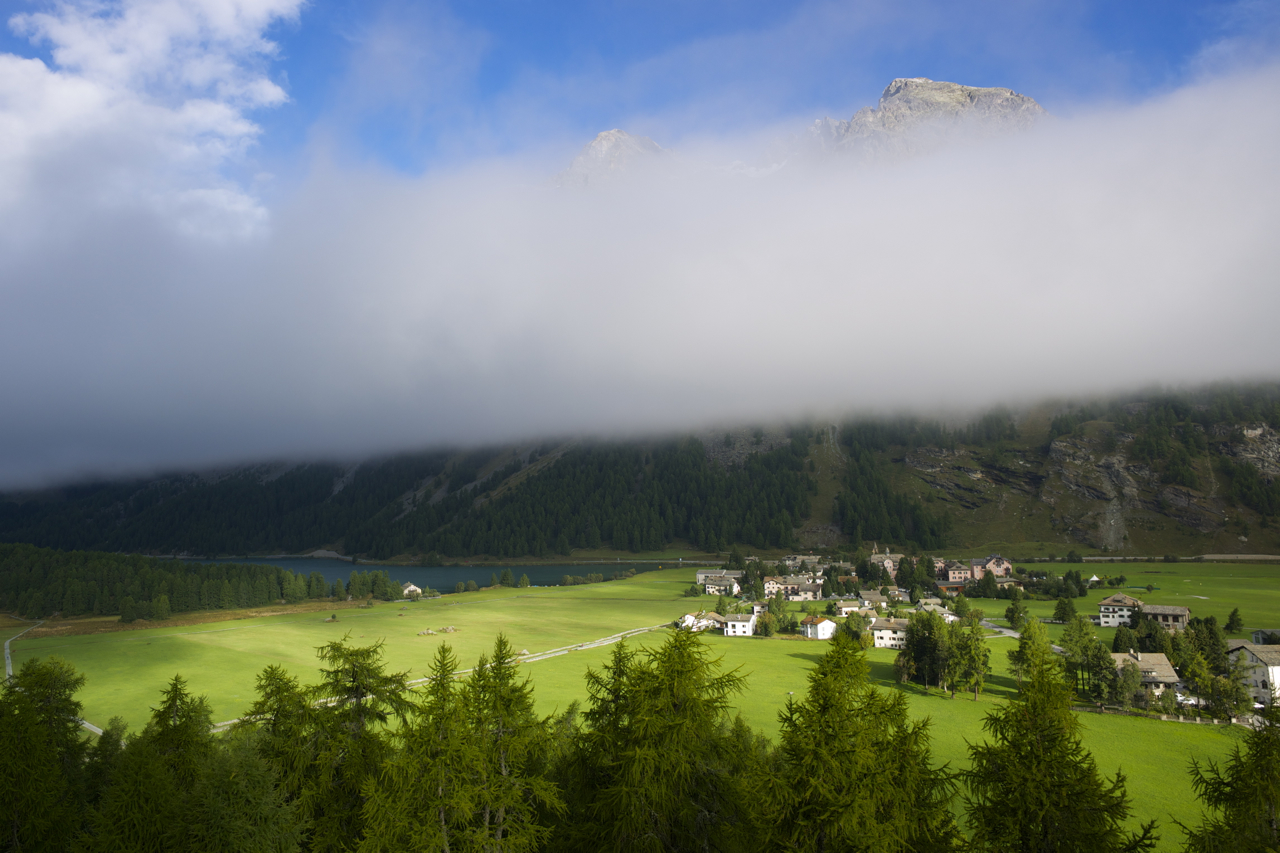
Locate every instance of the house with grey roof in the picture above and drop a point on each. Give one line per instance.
(889, 633)
(1170, 617)
(1116, 610)
(740, 625)
(1261, 665)
(1157, 672)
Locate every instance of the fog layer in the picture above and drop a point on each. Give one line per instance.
(368, 312)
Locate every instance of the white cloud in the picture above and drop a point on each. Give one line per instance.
(143, 105)
(1100, 252)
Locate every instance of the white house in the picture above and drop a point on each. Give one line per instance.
(817, 627)
(1116, 610)
(740, 625)
(806, 592)
(889, 633)
(722, 585)
(947, 615)
(1261, 670)
(703, 574)
(844, 608)
(409, 590)
(700, 621)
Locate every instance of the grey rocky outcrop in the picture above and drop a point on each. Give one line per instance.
(610, 156)
(917, 114)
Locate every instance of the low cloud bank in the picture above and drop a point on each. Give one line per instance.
(374, 312)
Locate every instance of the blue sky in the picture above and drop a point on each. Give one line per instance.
(677, 68)
(409, 85)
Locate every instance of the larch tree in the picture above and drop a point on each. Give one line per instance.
(824, 791)
(1032, 786)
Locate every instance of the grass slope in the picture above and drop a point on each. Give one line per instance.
(127, 669)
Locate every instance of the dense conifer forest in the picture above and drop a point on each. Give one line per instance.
(37, 582)
(554, 499)
(653, 761)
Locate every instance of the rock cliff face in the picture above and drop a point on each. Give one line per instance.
(918, 114)
(914, 116)
(1085, 489)
(609, 156)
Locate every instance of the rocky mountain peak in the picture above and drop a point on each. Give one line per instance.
(916, 114)
(607, 157)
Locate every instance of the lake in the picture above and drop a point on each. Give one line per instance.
(441, 578)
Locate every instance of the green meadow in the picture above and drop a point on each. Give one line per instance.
(127, 669)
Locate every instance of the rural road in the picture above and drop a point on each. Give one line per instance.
(1009, 632)
(8, 662)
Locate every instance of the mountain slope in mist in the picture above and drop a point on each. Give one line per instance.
(914, 116)
(1151, 474)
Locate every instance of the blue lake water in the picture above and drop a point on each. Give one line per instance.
(442, 578)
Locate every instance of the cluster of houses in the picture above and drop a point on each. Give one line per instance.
(1260, 658)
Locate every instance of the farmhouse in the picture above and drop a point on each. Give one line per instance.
(740, 625)
(1157, 672)
(409, 590)
(786, 584)
(704, 574)
(700, 621)
(1171, 618)
(1116, 610)
(817, 627)
(722, 585)
(947, 615)
(1261, 674)
(889, 633)
(995, 564)
(806, 592)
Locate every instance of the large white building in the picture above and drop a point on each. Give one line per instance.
(740, 625)
(889, 633)
(1261, 670)
(1116, 610)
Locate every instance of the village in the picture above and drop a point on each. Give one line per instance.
(831, 591)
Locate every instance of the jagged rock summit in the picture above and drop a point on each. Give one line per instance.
(610, 155)
(917, 114)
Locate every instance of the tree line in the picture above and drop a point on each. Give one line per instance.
(628, 497)
(653, 760)
(38, 582)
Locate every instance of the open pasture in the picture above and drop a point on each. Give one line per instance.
(1208, 589)
(126, 670)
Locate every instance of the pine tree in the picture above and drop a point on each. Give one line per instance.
(351, 707)
(654, 769)
(39, 808)
(507, 579)
(824, 791)
(1235, 624)
(1033, 785)
(1242, 795)
(424, 795)
(510, 742)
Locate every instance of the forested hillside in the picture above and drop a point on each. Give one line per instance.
(36, 582)
(1186, 473)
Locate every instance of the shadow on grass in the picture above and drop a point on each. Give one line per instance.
(811, 658)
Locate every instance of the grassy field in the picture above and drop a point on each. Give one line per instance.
(126, 670)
